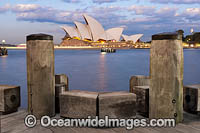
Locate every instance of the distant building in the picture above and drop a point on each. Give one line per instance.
(194, 38)
(188, 38)
(93, 31)
(21, 45)
(7, 45)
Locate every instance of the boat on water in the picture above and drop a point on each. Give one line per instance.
(108, 50)
(3, 52)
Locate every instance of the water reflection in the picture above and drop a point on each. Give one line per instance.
(102, 70)
(3, 62)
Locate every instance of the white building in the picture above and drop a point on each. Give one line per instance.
(94, 31)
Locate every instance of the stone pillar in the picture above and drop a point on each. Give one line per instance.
(138, 80)
(191, 98)
(59, 89)
(40, 75)
(166, 77)
(9, 98)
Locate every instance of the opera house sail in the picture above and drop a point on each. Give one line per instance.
(93, 31)
(96, 28)
(114, 33)
(71, 31)
(84, 31)
(133, 38)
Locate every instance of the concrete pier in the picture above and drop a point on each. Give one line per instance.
(14, 123)
(40, 75)
(9, 98)
(166, 77)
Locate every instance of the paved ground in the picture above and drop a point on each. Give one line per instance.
(14, 123)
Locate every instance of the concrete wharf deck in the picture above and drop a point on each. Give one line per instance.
(14, 123)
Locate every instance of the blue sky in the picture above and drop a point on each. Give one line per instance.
(20, 18)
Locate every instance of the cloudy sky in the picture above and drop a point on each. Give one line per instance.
(23, 17)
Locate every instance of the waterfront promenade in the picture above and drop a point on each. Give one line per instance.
(83, 48)
(70, 48)
(56, 47)
(15, 123)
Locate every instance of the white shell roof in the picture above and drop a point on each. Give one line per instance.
(114, 33)
(83, 30)
(73, 32)
(96, 28)
(133, 38)
(125, 37)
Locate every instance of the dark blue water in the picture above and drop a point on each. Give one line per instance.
(90, 70)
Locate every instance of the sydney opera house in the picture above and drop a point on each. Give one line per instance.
(93, 33)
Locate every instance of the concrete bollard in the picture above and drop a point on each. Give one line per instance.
(142, 93)
(9, 98)
(78, 104)
(61, 85)
(59, 89)
(138, 80)
(191, 98)
(62, 79)
(40, 75)
(117, 105)
(166, 77)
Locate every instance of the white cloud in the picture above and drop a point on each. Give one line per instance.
(37, 13)
(177, 1)
(192, 11)
(142, 10)
(25, 7)
(103, 1)
(72, 1)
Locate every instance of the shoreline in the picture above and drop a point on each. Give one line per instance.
(71, 48)
(83, 48)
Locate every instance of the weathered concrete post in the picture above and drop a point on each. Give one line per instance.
(61, 85)
(166, 77)
(62, 79)
(138, 80)
(40, 75)
(191, 98)
(9, 98)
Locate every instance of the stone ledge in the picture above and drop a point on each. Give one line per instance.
(81, 104)
(117, 105)
(78, 104)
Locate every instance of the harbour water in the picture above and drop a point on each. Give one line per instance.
(93, 71)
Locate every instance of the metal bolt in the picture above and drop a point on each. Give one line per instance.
(175, 114)
(173, 101)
